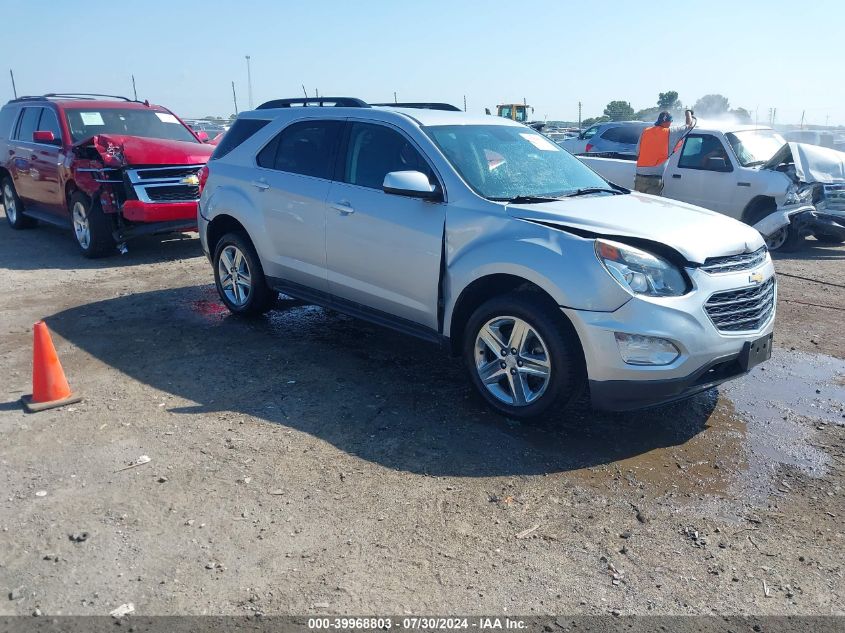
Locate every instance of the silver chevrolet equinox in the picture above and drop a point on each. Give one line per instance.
(481, 234)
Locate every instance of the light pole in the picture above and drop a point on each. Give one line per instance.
(249, 82)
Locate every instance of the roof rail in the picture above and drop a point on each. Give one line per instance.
(71, 95)
(339, 102)
(447, 107)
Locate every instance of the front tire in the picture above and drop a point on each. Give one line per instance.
(522, 356)
(92, 228)
(14, 209)
(239, 276)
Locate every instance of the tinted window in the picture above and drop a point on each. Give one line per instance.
(374, 151)
(28, 124)
(629, 135)
(142, 122)
(307, 148)
(7, 120)
(590, 132)
(50, 123)
(241, 130)
(698, 152)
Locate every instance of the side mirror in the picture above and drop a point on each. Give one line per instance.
(413, 184)
(718, 163)
(202, 136)
(43, 136)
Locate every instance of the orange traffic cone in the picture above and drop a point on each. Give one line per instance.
(49, 385)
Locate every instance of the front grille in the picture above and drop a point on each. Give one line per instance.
(833, 198)
(734, 263)
(164, 184)
(742, 310)
(173, 193)
(160, 173)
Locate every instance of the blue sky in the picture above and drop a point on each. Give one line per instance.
(184, 54)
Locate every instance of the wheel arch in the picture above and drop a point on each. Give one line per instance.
(484, 288)
(757, 202)
(218, 227)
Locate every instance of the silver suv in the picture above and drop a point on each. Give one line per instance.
(483, 235)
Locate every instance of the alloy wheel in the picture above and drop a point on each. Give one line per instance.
(81, 225)
(512, 361)
(777, 239)
(9, 203)
(235, 275)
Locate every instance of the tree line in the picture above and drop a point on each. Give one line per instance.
(708, 106)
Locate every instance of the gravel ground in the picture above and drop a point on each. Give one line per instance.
(311, 463)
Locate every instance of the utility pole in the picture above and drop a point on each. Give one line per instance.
(14, 88)
(235, 98)
(579, 116)
(465, 103)
(395, 99)
(134, 90)
(802, 119)
(248, 82)
(774, 116)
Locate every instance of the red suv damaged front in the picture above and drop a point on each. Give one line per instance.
(116, 168)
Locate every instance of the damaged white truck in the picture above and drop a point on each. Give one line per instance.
(787, 191)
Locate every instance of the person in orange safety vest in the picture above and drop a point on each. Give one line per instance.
(654, 151)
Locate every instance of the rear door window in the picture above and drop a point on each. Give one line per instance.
(307, 148)
(374, 151)
(28, 124)
(590, 132)
(628, 135)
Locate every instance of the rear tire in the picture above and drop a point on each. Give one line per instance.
(239, 276)
(92, 229)
(13, 206)
(538, 364)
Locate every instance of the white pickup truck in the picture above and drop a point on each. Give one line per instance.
(786, 190)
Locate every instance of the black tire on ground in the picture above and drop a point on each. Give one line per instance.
(260, 297)
(100, 242)
(785, 243)
(567, 377)
(13, 206)
(829, 239)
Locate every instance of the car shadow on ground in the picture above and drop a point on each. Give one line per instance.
(812, 250)
(54, 248)
(382, 396)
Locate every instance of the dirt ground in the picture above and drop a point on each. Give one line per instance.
(311, 463)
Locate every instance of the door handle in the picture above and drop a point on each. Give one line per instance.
(678, 176)
(260, 184)
(343, 207)
(743, 184)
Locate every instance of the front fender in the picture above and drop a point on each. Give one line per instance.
(565, 266)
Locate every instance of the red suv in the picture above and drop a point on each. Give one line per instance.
(110, 168)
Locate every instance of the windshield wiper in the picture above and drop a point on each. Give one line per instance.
(588, 190)
(526, 199)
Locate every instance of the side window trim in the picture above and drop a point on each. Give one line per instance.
(340, 170)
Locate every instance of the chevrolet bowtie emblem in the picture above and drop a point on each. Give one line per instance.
(756, 278)
(193, 179)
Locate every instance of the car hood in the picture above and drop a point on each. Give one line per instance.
(119, 151)
(693, 232)
(812, 162)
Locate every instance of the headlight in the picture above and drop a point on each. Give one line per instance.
(640, 272)
(798, 195)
